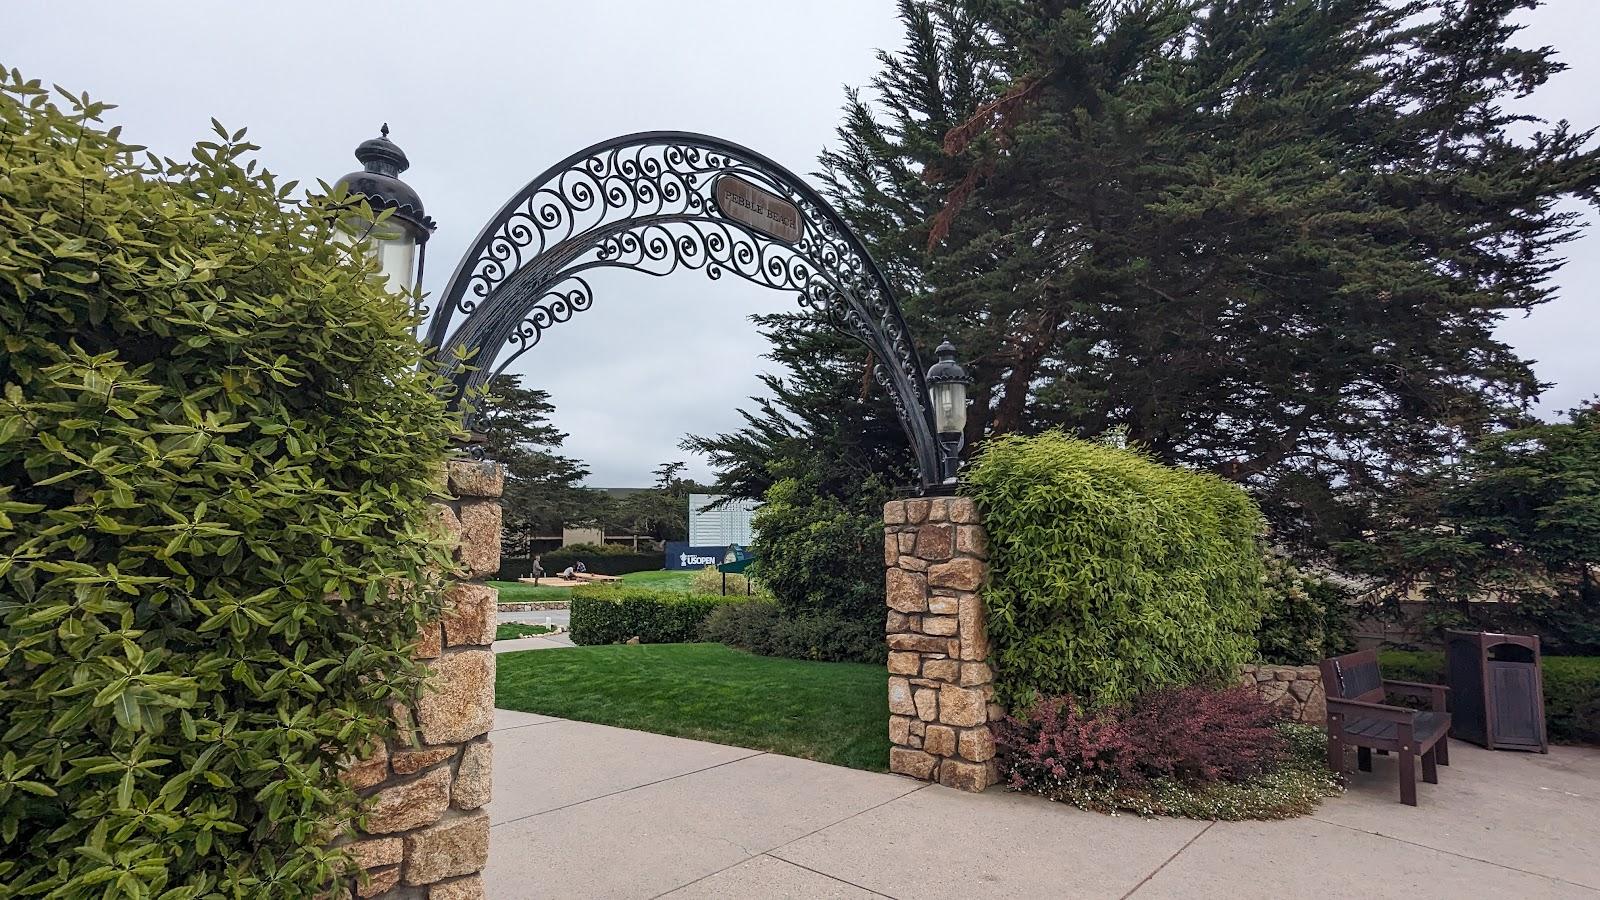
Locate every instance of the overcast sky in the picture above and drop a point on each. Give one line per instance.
(483, 96)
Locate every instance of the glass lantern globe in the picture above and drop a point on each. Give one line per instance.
(947, 390)
(396, 242)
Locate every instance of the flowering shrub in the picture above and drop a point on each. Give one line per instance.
(1190, 735)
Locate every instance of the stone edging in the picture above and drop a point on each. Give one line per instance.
(1296, 691)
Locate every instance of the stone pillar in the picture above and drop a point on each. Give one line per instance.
(940, 685)
(427, 834)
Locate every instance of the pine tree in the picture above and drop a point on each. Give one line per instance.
(543, 489)
(1268, 238)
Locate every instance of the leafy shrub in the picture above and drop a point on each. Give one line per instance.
(764, 628)
(709, 581)
(584, 549)
(1294, 788)
(216, 454)
(1571, 689)
(1306, 618)
(613, 561)
(816, 554)
(1112, 575)
(1192, 735)
(614, 613)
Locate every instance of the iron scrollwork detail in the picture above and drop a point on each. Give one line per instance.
(645, 202)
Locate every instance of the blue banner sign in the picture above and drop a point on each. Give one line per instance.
(682, 556)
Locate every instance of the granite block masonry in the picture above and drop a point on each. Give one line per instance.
(1294, 691)
(427, 835)
(941, 689)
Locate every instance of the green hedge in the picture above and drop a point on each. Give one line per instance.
(765, 628)
(1571, 689)
(1305, 618)
(618, 563)
(1112, 574)
(216, 451)
(613, 613)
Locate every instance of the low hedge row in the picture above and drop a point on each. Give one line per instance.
(765, 628)
(614, 613)
(1571, 689)
(618, 563)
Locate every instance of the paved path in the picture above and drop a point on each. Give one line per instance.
(538, 616)
(586, 810)
(552, 642)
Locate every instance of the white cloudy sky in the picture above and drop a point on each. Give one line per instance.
(482, 96)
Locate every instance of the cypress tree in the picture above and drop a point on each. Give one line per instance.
(1267, 238)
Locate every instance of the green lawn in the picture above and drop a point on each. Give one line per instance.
(506, 631)
(517, 592)
(833, 712)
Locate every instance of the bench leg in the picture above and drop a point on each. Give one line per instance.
(1408, 776)
(1430, 768)
(1364, 759)
(1336, 754)
(1442, 751)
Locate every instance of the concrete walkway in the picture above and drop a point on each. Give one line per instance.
(586, 810)
(562, 617)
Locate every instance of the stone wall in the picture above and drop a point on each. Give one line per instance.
(940, 684)
(427, 834)
(1295, 690)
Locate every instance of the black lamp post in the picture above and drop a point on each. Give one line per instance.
(399, 243)
(947, 391)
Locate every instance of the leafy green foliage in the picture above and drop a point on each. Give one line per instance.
(614, 613)
(1517, 519)
(216, 453)
(1295, 787)
(709, 581)
(1571, 689)
(1305, 618)
(660, 511)
(764, 628)
(611, 560)
(816, 553)
(1155, 222)
(1112, 575)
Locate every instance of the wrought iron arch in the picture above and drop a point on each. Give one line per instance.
(645, 202)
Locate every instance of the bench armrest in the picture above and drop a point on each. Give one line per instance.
(1381, 711)
(1434, 692)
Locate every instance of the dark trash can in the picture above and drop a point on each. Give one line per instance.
(1496, 690)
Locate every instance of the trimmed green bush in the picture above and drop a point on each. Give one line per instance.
(1111, 574)
(1571, 689)
(615, 613)
(710, 581)
(816, 554)
(216, 454)
(765, 628)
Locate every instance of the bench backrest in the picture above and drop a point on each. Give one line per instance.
(1354, 676)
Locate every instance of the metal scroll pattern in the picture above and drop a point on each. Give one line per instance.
(645, 203)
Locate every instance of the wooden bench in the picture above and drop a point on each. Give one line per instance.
(1358, 716)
